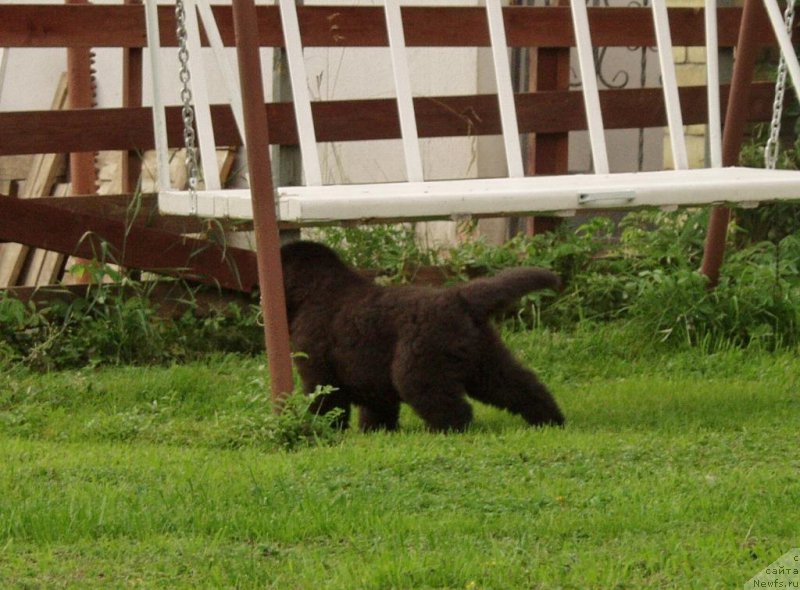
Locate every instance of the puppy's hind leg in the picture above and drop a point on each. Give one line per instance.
(437, 399)
(383, 417)
(501, 381)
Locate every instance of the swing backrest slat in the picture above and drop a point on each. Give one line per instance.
(300, 93)
(591, 96)
(505, 90)
(669, 84)
(202, 106)
(402, 82)
(712, 85)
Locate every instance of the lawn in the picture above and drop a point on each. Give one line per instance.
(676, 470)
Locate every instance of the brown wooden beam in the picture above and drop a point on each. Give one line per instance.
(548, 153)
(31, 132)
(139, 210)
(25, 25)
(32, 223)
(132, 80)
(80, 95)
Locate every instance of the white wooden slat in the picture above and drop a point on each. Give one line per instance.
(591, 96)
(3, 64)
(498, 196)
(159, 113)
(402, 81)
(712, 83)
(229, 75)
(670, 85)
(536, 194)
(785, 43)
(302, 100)
(202, 109)
(505, 90)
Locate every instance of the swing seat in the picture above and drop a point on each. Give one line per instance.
(515, 194)
(447, 199)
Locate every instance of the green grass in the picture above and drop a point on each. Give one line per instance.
(677, 470)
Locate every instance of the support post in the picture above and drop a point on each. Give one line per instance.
(548, 153)
(754, 18)
(131, 97)
(80, 95)
(270, 272)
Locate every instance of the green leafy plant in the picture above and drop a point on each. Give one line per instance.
(757, 301)
(392, 249)
(296, 426)
(120, 323)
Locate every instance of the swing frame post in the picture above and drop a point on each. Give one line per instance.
(270, 271)
(754, 16)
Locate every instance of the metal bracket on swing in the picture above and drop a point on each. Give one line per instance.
(607, 199)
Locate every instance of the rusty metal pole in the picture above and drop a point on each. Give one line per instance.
(270, 273)
(754, 18)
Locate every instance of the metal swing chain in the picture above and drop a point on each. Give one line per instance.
(187, 110)
(773, 143)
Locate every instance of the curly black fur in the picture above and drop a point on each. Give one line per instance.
(427, 347)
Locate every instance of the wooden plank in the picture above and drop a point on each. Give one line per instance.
(13, 256)
(15, 167)
(44, 267)
(33, 132)
(548, 153)
(40, 180)
(23, 25)
(132, 84)
(226, 157)
(121, 207)
(140, 210)
(41, 225)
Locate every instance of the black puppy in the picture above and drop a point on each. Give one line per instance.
(427, 347)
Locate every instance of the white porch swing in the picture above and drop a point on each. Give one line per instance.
(416, 198)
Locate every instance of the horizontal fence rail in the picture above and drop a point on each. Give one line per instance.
(24, 25)
(30, 132)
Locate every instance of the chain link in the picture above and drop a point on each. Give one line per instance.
(773, 143)
(187, 110)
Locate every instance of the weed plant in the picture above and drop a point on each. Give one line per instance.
(119, 323)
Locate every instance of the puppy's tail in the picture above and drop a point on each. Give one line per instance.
(488, 295)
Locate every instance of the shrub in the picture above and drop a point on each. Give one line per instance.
(757, 301)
